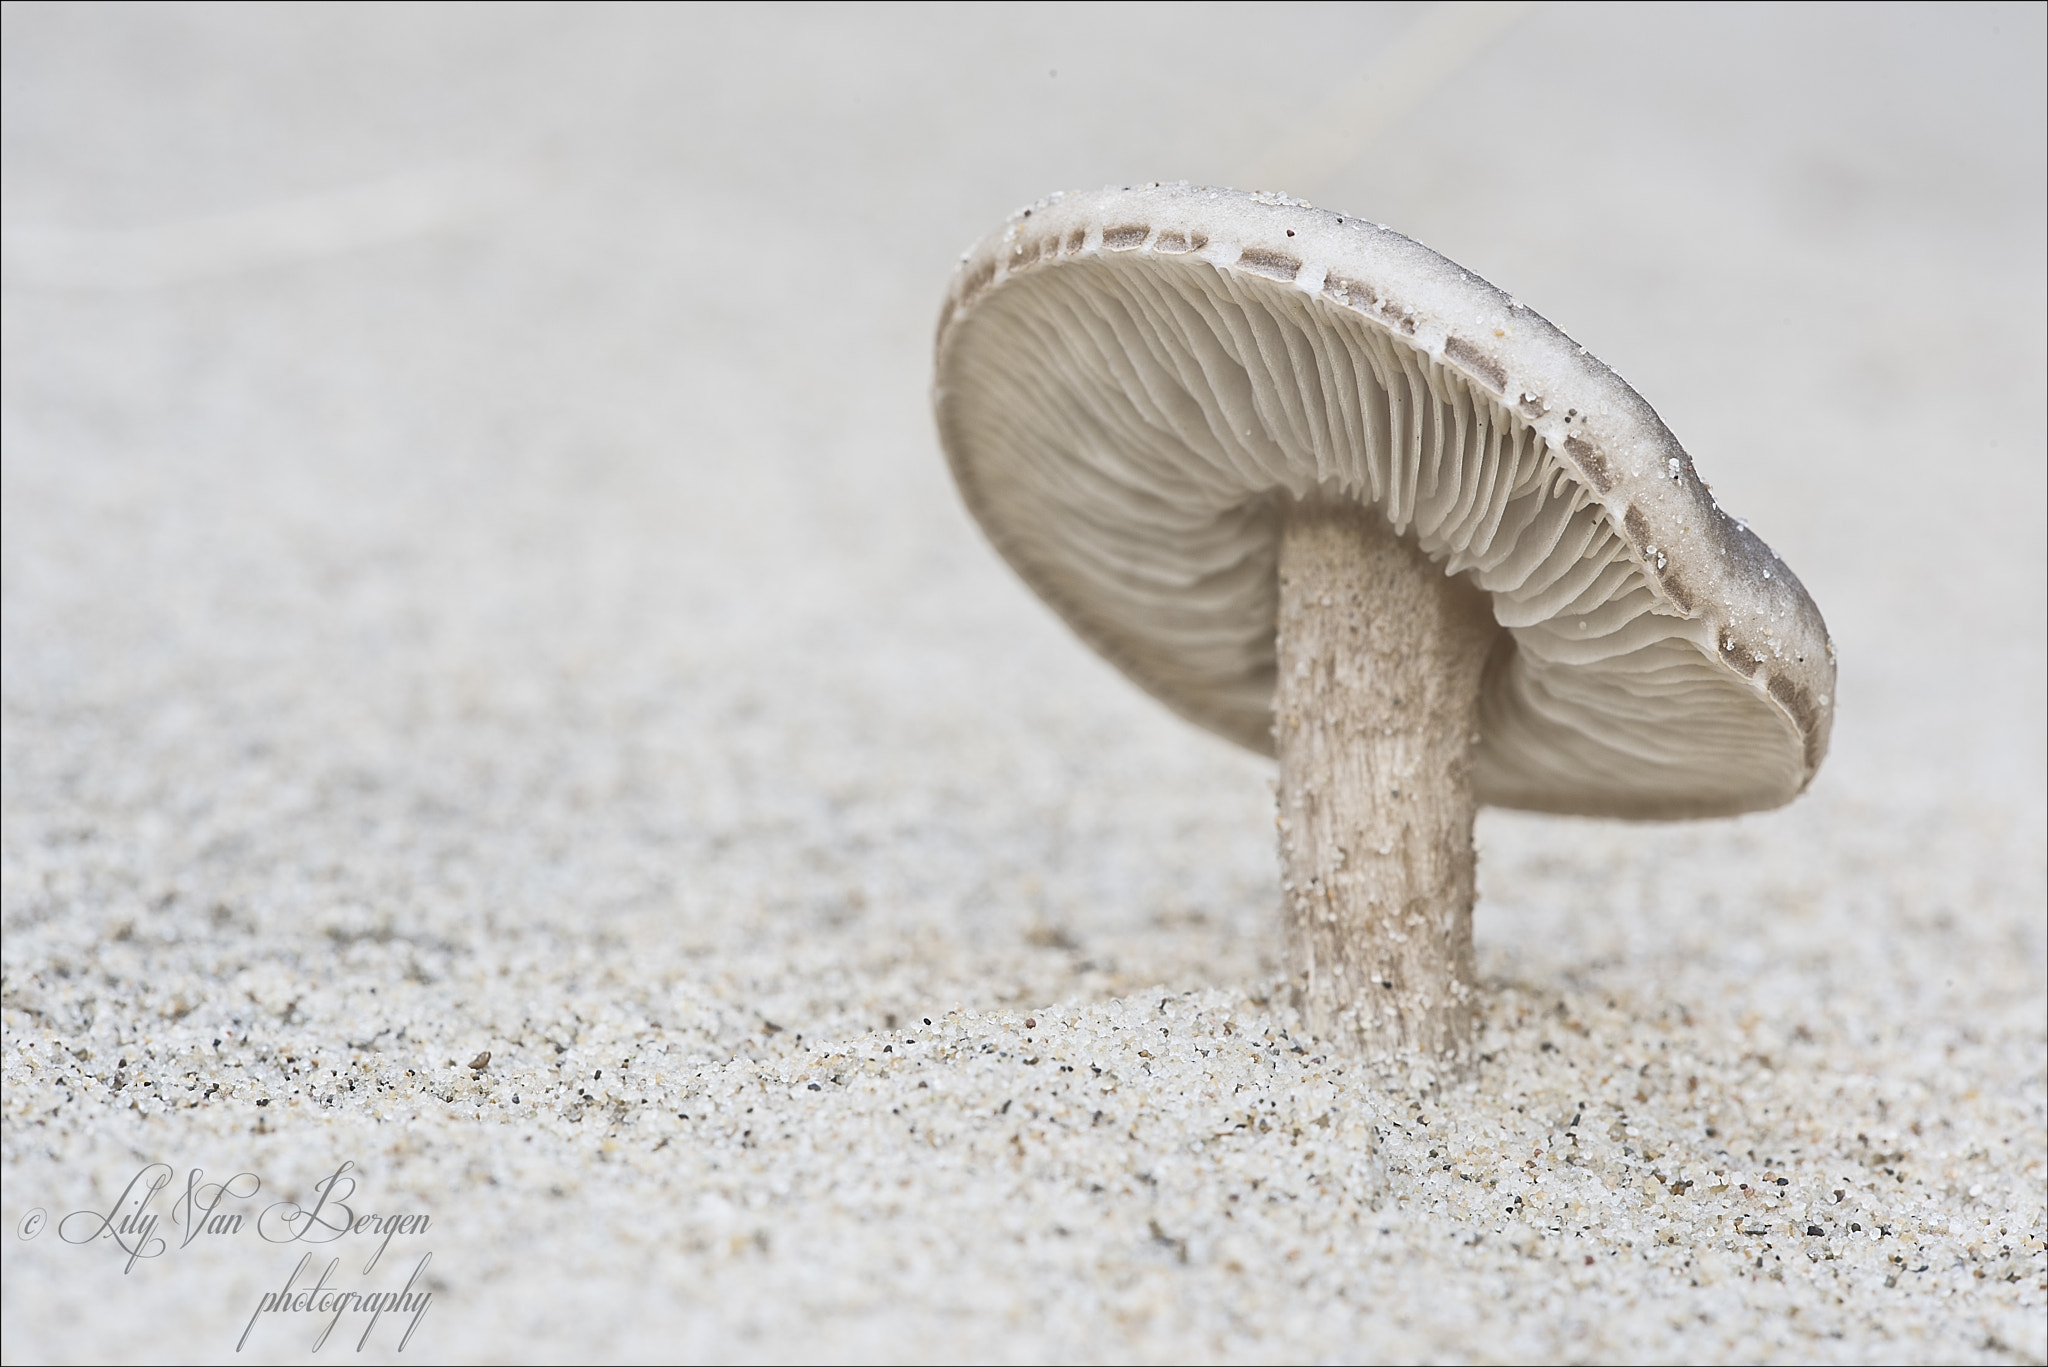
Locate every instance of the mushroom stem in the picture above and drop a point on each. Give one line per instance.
(1380, 655)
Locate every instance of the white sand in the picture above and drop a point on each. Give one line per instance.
(519, 606)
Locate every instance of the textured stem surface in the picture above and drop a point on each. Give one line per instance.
(1380, 655)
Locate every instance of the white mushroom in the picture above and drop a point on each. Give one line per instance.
(1325, 493)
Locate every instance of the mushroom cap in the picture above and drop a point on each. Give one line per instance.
(1132, 383)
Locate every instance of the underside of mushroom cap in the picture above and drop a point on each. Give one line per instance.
(1132, 384)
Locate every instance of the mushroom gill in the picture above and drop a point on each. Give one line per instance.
(1127, 419)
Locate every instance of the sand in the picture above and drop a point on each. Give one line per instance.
(479, 579)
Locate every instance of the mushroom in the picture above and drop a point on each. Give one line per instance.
(1327, 494)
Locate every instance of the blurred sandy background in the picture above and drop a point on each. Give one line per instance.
(479, 575)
